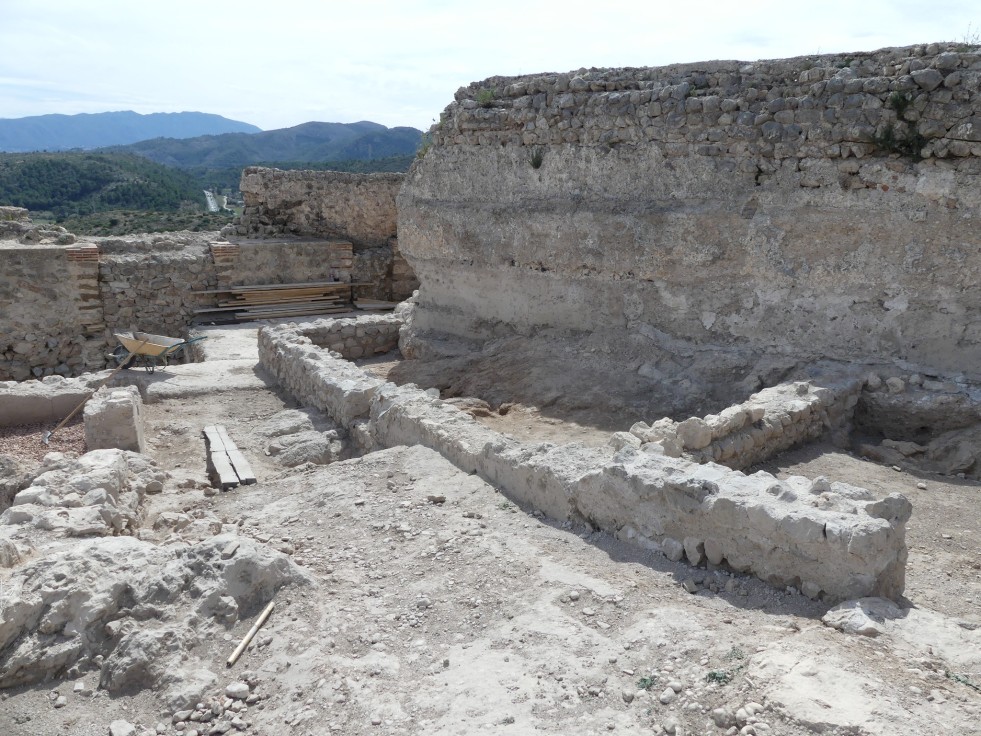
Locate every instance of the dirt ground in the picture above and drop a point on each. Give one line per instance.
(439, 606)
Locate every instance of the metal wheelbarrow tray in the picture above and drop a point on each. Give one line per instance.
(143, 348)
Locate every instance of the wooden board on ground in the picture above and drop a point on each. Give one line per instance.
(220, 469)
(241, 466)
(227, 467)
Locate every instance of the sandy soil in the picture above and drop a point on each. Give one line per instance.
(439, 606)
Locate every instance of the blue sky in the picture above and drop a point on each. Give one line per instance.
(277, 64)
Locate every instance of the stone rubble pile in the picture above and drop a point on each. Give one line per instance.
(295, 439)
(98, 494)
(926, 423)
(16, 224)
(129, 610)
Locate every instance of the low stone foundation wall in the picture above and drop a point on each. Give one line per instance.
(356, 337)
(826, 538)
(769, 422)
(46, 401)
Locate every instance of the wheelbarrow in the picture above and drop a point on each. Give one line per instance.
(150, 351)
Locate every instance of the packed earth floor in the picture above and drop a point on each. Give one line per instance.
(433, 604)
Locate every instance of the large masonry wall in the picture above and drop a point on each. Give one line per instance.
(331, 204)
(774, 205)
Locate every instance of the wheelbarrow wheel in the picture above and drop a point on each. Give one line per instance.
(123, 358)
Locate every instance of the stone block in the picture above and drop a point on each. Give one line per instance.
(114, 419)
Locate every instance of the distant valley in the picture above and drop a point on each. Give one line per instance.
(160, 182)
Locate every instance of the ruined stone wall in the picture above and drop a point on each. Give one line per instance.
(59, 306)
(50, 312)
(779, 205)
(851, 545)
(150, 287)
(332, 204)
(360, 337)
(769, 422)
(248, 262)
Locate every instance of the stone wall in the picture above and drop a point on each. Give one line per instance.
(848, 545)
(47, 401)
(149, 287)
(357, 337)
(777, 205)
(331, 205)
(273, 261)
(769, 422)
(50, 312)
(60, 305)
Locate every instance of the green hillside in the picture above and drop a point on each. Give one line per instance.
(73, 183)
(310, 142)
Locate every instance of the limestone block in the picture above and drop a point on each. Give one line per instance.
(114, 419)
(695, 433)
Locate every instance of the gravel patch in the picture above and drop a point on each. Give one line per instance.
(25, 441)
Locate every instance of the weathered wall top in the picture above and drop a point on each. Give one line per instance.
(824, 206)
(812, 106)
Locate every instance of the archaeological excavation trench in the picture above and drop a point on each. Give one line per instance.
(676, 427)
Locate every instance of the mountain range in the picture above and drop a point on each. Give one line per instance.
(310, 142)
(97, 130)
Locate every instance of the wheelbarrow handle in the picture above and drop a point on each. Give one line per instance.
(63, 422)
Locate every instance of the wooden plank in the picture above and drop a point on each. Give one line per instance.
(279, 315)
(288, 300)
(242, 307)
(265, 299)
(220, 469)
(242, 468)
(261, 287)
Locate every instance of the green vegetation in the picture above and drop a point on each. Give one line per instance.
(307, 142)
(124, 222)
(725, 676)
(115, 192)
(76, 184)
(646, 682)
(906, 141)
(899, 101)
(485, 96)
(969, 41)
(962, 679)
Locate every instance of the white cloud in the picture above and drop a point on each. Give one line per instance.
(398, 63)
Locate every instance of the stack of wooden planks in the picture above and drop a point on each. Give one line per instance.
(376, 305)
(227, 466)
(273, 301)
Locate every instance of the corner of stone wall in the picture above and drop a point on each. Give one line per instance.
(829, 539)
